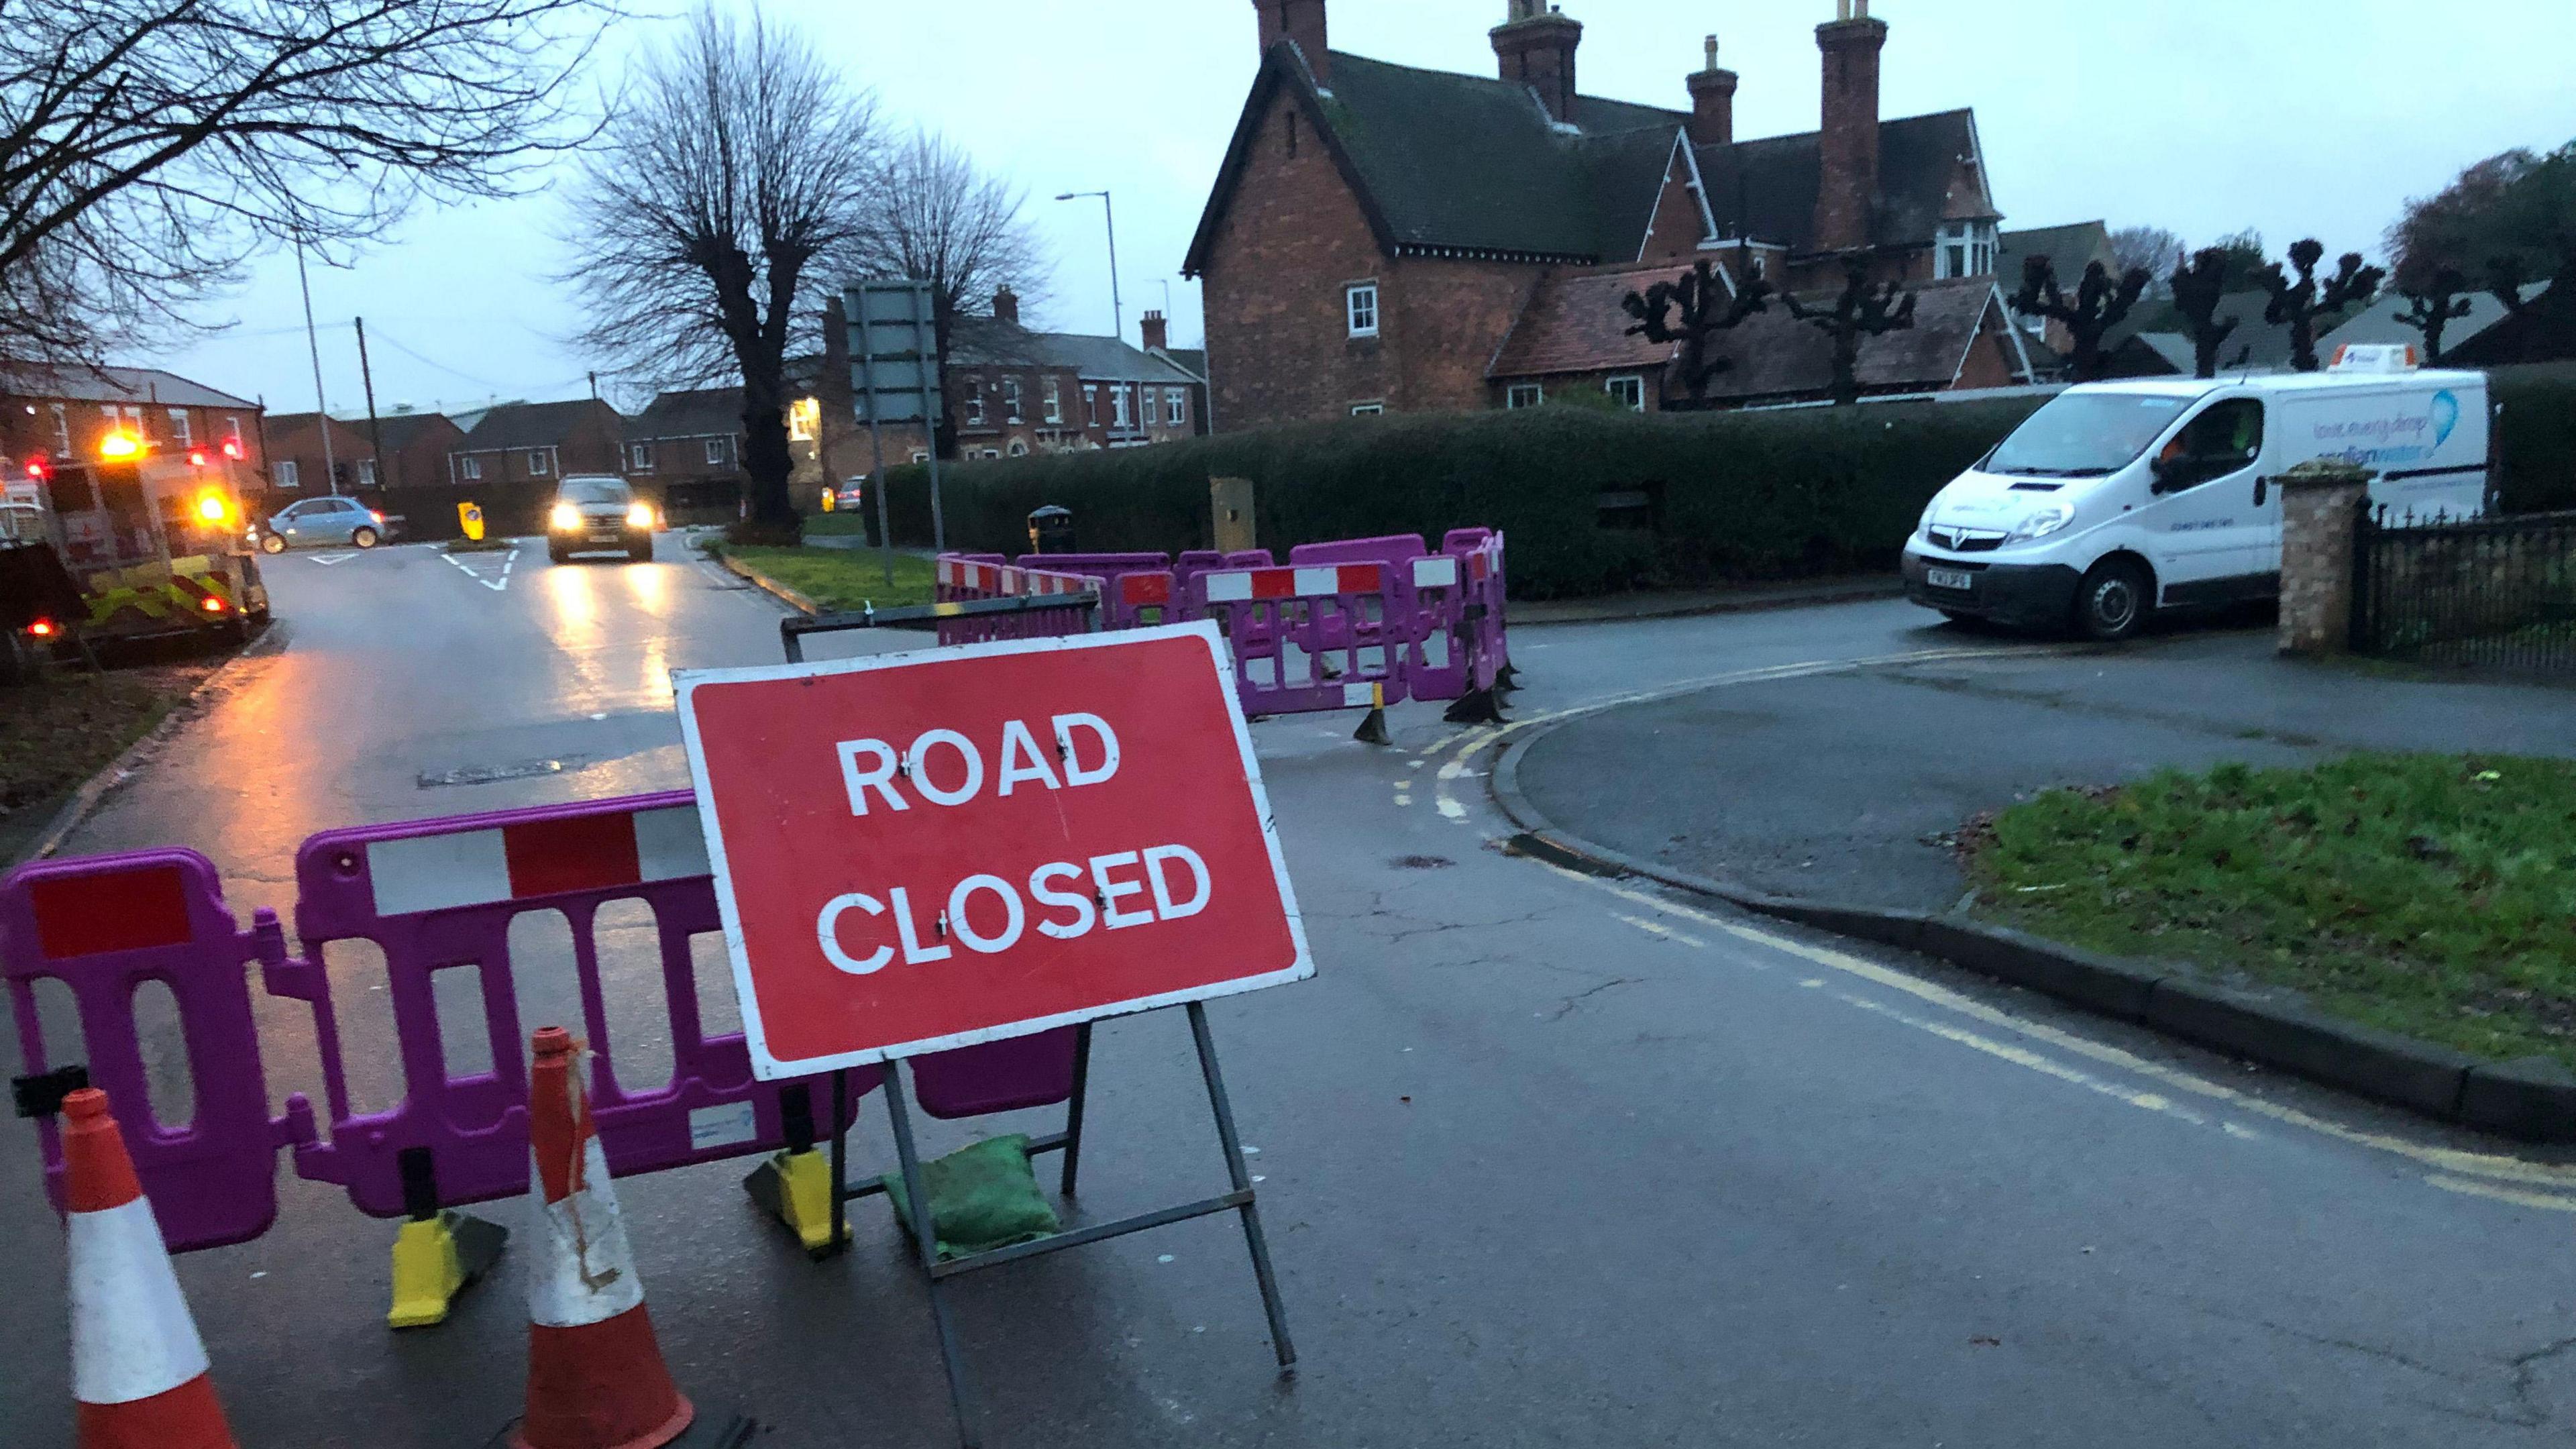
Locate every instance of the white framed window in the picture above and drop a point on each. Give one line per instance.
(716, 450)
(180, 433)
(1524, 395)
(992, 453)
(639, 457)
(1360, 299)
(1118, 407)
(975, 403)
(1011, 412)
(804, 419)
(920, 455)
(1964, 249)
(62, 429)
(1629, 391)
(285, 473)
(1367, 409)
(539, 463)
(233, 438)
(1054, 392)
(470, 467)
(1176, 406)
(366, 472)
(1091, 405)
(1019, 448)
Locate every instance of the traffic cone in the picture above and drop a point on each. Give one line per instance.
(139, 1369)
(595, 1374)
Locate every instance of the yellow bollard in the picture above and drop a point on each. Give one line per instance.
(828, 499)
(471, 517)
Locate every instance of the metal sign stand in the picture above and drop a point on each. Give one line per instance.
(1239, 1199)
(894, 359)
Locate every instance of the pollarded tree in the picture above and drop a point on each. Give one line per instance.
(731, 196)
(2100, 304)
(2433, 303)
(1861, 311)
(1707, 308)
(2299, 304)
(2198, 287)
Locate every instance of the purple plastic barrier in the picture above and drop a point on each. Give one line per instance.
(102, 927)
(1432, 630)
(963, 577)
(1481, 562)
(1141, 600)
(1096, 565)
(1292, 631)
(441, 894)
(1001, 1076)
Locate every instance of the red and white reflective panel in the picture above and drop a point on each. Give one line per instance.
(535, 858)
(922, 851)
(132, 1337)
(1245, 585)
(1142, 590)
(1438, 571)
(1009, 582)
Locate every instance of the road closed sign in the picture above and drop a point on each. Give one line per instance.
(922, 851)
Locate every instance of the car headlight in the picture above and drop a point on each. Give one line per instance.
(2041, 522)
(565, 518)
(640, 516)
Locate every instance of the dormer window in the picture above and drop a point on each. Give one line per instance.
(1964, 249)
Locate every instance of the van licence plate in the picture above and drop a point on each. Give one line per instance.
(1949, 578)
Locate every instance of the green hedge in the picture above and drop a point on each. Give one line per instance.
(1729, 496)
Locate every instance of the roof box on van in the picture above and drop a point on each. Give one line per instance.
(2375, 357)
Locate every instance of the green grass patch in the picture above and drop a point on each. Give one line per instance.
(844, 524)
(59, 729)
(843, 578)
(2432, 895)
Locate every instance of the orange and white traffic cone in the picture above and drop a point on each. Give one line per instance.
(139, 1370)
(595, 1374)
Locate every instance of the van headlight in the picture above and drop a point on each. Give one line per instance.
(640, 516)
(2041, 522)
(565, 518)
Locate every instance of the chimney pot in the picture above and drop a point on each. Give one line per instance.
(1535, 47)
(1301, 23)
(1006, 306)
(1158, 332)
(1712, 93)
(1847, 194)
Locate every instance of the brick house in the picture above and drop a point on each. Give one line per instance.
(686, 449)
(1573, 337)
(1377, 231)
(298, 463)
(62, 415)
(1009, 391)
(538, 442)
(2070, 249)
(416, 446)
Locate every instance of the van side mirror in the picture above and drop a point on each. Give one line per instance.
(2170, 474)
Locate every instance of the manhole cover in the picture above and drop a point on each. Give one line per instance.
(1423, 862)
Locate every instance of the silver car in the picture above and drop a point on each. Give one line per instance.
(336, 521)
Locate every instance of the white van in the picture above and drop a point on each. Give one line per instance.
(2119, 498)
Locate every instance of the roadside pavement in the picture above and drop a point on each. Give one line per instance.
(1725, 782)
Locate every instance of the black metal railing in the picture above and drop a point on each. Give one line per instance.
(2494, 592)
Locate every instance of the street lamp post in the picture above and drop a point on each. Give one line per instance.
(1109, 214)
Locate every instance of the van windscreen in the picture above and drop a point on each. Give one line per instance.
(2085, 434)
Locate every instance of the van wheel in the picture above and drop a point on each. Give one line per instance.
(363, 538)
(2113, 601)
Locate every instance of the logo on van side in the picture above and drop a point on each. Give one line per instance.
(2397, 439)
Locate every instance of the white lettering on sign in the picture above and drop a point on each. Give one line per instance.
(873, 764)
(1174, 877)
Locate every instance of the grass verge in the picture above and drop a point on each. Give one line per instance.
(58, 731)
(842, 578)
(2432, 895)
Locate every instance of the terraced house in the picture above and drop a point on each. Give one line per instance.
(1377, 232)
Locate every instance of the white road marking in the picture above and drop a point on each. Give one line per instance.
(328, 559)
(497, 584)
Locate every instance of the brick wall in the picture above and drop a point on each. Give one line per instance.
(1677, 228)
(2320, 506)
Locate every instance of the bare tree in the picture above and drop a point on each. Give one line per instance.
(2434, 302)
(2199, 286)
(1862, 310)
(943, 221)
(2300, 303)
(731, 192)
(149, 147)
(1708, 308)
(2100, 304)
(2152, 248)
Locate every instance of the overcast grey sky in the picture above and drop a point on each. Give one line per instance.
(2200, 115)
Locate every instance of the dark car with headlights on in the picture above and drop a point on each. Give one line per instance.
(599, 515)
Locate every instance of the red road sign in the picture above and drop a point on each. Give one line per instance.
(922, 851)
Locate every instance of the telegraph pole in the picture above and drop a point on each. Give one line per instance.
(375, 429)
(321, 409)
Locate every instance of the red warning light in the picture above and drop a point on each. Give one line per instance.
(42, 628)
(196, 457)
(233, 449)
(214, 605)
(37, 469)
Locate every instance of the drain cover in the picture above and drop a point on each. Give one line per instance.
(487, 774)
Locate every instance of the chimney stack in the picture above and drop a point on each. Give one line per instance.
(1158, 332)
(1712, 93)
(1847, 194)
(1536, 44)
(1006, 306)
(1300, 21)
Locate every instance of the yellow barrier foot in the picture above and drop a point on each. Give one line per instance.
(435, 1259)
(1372, 730)
(796, 1189)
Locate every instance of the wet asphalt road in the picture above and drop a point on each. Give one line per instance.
(1547, 1160)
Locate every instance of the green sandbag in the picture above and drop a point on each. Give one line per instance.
(982, 1197)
